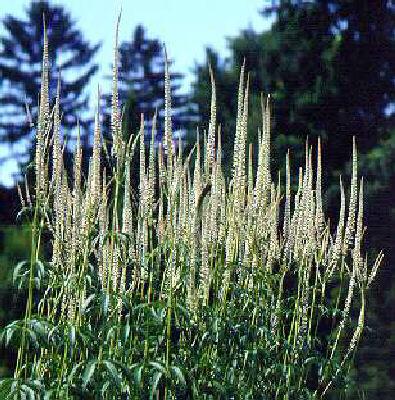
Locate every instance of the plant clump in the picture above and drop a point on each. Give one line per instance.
(203, 287)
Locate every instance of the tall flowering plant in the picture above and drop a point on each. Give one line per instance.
(196, 287)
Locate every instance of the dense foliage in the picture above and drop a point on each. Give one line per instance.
(200, 287)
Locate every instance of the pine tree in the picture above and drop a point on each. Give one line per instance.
(20, 66)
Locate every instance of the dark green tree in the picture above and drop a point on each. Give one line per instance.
(329, 67)
(333, 71)
(20, 66)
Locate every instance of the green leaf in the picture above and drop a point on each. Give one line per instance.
(17, 270)
(310, 360)
(113, 373)
(9, 332)
(5, 387)
(72, 335)
(155, 381)
(37, 282)
(48, 394)
(40, 268)
(28, 391)
(127, 327)
(158, 366)
(180, 376)
(88, 372)
(105, 388)
(73, 372)
(137, 374)
(33, 338)
(106, 300)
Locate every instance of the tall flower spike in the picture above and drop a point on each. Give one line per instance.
(359, 264)
(205, 267)
(250, 190)
(240, 98)
(242, 148)
(219, 148)
(306, 154)
(311, 206)
(264, 173)
(350, 227)
(179, 148)
(115, 115)
(56, 148)
(212, 123)
(178, 166)
(375, 268)
(44, 92)
(96, 155)
(196, 173)
(278, 198)
(204, 151)
(42, 118)
(104, 265)
(336, 252)
(78, 160)
(151, 168)
(259, 172)
(287, 210)
(161, 169)
(220, 178)
(77, 188)
(319, 215)
(168, 128)
(268, 138)
(142, 158)
(127, 207)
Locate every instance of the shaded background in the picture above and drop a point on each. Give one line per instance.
(329, 66)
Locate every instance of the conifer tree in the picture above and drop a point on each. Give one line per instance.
(71, 61)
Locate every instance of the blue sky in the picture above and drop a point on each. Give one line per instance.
(185, 26)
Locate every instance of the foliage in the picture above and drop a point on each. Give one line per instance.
(14, 248)
(198, 291)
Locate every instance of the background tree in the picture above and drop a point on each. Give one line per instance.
(20, 66)
(319, 61)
